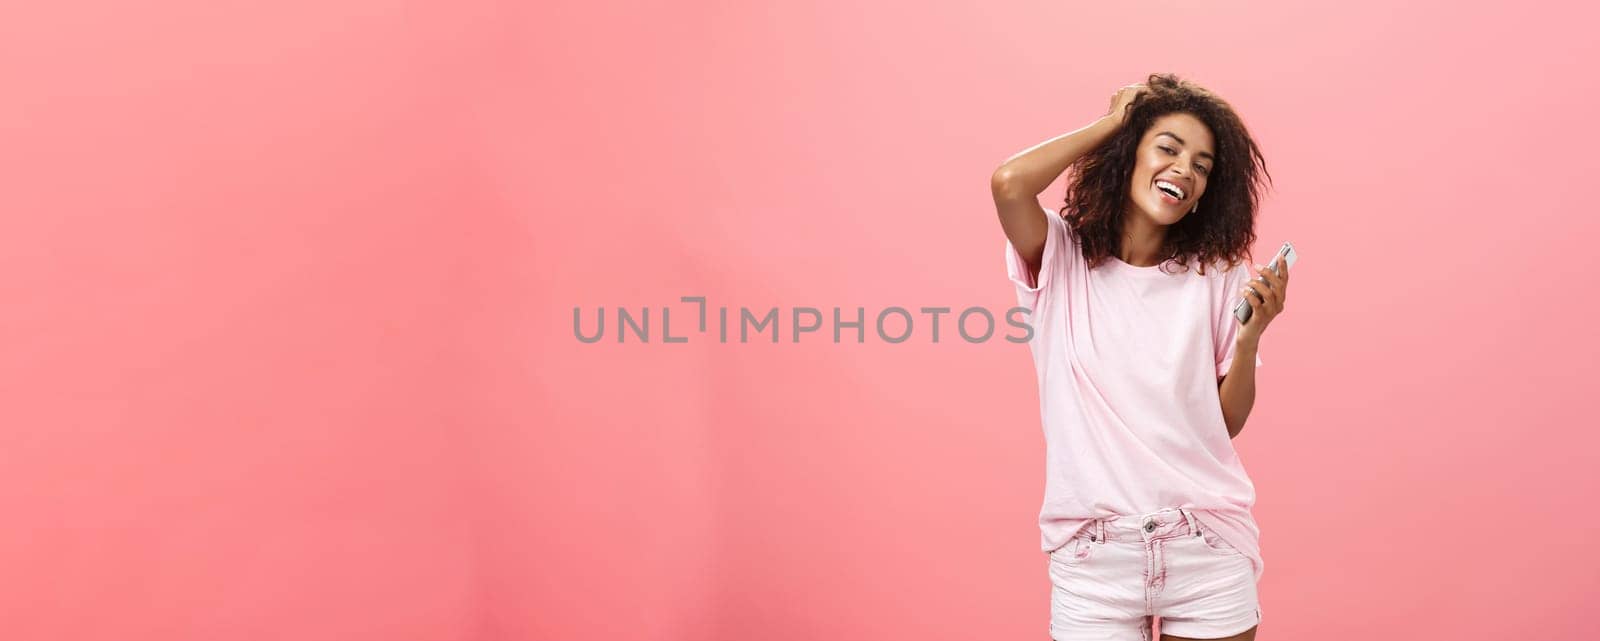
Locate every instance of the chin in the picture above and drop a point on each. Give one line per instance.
(1162, 215)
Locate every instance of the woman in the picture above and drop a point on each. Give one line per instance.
(1144, 373)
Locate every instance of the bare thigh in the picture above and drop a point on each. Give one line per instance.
(1247, 635)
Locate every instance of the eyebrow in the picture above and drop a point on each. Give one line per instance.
(1207, 154)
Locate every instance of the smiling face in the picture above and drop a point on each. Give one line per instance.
(1175, 157)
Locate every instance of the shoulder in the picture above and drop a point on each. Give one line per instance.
(1221, 269)
(1058, 221)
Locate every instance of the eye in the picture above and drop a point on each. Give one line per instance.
(1204, 170)
(1169, 150)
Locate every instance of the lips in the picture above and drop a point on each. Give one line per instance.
(1170, 193)
(1167, 186)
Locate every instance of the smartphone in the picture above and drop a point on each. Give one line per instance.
(1286, 255)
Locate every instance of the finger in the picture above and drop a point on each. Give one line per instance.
(1266, 276)
(1256, 309)
(1260, 290)
(1280, 287)
(1264, 307)
(1260, 310)
(1272, 301)
(1267, 270)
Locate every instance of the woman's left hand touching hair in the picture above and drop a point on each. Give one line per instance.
(1266, 294)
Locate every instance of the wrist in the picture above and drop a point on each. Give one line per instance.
(1246, 342)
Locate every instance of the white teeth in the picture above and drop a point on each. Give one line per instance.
(1176, 190)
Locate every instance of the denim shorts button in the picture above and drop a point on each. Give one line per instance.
(1150, 526)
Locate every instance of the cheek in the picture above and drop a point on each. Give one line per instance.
(1144, 172)
(1138, 185)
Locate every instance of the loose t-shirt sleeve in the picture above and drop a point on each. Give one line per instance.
(1236, 279)
(1031, 291)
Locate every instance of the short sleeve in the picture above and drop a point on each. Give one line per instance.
(1031, 289)
(1235, 280)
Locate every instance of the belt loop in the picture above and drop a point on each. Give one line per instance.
(1100, 529)
(1194, 526)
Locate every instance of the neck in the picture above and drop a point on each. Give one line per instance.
(1141, 240)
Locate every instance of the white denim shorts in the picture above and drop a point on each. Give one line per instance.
(1116, 575)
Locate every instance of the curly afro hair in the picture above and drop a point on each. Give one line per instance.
(1223, 229)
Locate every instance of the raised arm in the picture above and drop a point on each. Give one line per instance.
(1017, 183)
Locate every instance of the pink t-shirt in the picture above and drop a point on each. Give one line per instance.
(1128, 360)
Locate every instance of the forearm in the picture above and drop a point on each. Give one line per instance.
(1032, 170)
(1238, 389)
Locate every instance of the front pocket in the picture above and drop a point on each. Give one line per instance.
(1073, 553)
(1216, 544)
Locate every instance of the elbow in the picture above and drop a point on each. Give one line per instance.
(1234, 424)
(1004, 183)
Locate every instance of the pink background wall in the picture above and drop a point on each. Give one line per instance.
(288, 292)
